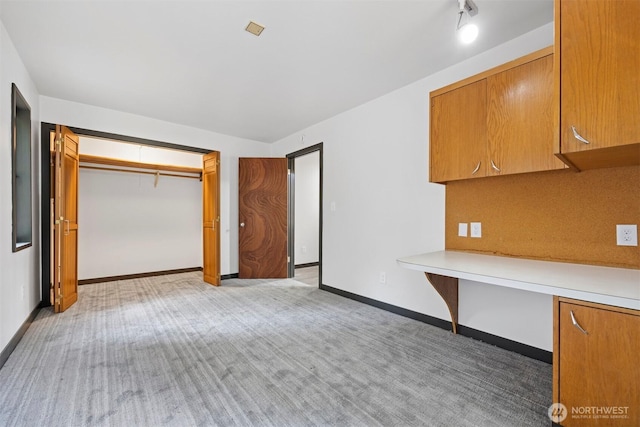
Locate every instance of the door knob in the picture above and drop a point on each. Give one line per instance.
(242, 224)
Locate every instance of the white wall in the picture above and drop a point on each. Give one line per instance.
(138, 153)
(307, 208)
(376, 174)
(231, 148)
(19, 272)
(127, 224)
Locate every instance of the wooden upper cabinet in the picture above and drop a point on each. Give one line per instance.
(520, 122)
(498, 122)
(459, 133)
(599, 81)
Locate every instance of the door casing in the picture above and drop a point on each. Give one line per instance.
(291, 157)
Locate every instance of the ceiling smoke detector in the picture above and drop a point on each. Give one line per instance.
(255, 29)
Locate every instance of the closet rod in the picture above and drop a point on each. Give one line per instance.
(142, 172)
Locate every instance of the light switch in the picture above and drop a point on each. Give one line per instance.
(462, 229)
(476, 229)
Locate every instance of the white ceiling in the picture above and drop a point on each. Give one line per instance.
(192, 63)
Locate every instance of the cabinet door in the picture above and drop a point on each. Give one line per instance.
(599, 368)
(520, 124)
(458, 142)
(599, 73)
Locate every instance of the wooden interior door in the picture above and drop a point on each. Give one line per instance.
(211, 217)
(65, 206)
(263, 218)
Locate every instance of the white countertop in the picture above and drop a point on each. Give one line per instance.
(606, 285)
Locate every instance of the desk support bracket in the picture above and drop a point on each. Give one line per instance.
(447, 287)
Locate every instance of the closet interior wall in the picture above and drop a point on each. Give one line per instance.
(133, 223)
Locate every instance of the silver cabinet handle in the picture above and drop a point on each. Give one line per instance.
(476, 169)
(576, 324)
(578, 136)
(242, 224)
(493, 165)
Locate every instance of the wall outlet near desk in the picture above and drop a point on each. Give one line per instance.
(476, 229)
(627, 234)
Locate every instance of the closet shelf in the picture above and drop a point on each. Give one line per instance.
(107, 161)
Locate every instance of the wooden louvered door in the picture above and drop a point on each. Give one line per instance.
(211, 217)
(263, 218)
(65, 206)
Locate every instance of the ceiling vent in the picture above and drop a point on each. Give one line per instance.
(255, 29)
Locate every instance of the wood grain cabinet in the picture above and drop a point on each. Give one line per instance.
(458, 145)
(520, 121)
(496, 123)
(596, 369)
(598, 65)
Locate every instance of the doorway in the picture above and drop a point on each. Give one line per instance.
(305, 214)
(46, 186)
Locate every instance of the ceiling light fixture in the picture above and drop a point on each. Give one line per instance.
(467, 32)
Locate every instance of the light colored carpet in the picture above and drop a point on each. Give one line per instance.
(174, 351)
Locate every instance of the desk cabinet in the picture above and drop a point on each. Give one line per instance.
(496, 123)
(596, 369)
(598, 42)
(459, 133)
(520, 125)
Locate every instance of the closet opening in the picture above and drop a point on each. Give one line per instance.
(140, 207)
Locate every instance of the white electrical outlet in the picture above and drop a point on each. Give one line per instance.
(383, 277)
(333, 206)
(627, 234)
(462, 229)
(304, 249)
(476, 229)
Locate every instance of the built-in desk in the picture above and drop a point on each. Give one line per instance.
(618, 287)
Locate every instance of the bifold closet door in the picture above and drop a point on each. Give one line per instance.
(211, 217)
(65, 221)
